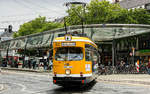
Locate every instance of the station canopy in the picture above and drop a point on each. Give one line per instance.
(97, 32)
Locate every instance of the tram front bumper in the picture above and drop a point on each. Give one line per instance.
(70, 80)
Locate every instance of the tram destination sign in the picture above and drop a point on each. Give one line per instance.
(68, 44)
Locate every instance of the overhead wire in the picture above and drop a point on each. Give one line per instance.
(24, 5)
(7, 21)
(47, 2)
(40, 6)
(28, 6)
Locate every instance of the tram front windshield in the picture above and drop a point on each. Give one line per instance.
(69, 54)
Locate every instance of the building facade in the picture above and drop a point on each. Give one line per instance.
(3, 37)
(132, 4)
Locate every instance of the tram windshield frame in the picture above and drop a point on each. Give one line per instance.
(69, 54)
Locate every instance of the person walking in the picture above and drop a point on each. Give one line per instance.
(34, 63)
(29, 63)
(50, 64)
(148, 67)
(45, 64)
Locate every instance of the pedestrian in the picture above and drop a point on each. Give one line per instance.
(148, 67)
(29, 63)
(15, 64)
(26, 61)
(51, 64)
(4, 62)
(37, 63)
(34, 63)
(45, 64)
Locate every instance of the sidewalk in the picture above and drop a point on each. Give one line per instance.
(143, 79)
(25, 69)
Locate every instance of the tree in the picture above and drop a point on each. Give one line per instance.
(96, 12)
(142, 16)
(75, 15)
(100, 12)
(35, 26)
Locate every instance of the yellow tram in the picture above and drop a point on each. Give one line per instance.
(75, 60)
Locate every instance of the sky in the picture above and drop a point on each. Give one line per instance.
(17, 12)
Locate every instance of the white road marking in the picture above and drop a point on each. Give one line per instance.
(23, 89)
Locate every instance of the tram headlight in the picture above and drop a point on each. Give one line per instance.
(68, 71)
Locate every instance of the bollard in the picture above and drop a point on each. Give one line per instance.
(137, 66)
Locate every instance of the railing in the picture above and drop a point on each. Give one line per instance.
(103, 70)
(128, 69)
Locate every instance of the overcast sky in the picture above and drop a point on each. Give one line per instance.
(16, 12)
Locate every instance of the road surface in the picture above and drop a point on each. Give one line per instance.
(41, 83)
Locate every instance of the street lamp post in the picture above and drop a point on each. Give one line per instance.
(24, 54)
(81, 17)
(113, 53)
(113, 50)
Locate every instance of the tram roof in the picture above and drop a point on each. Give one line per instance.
(97, 32)
(75, 39)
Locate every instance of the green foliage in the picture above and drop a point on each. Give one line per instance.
(35, 26)
(100, 12)
(142, 16)
(74, 15)
(96, 12)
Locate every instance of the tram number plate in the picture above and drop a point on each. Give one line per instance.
(67, 66)
(67, 78)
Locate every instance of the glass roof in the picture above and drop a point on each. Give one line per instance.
(102, 34)
(97, 32)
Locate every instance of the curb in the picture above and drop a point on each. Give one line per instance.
(25, 70)
(130, 80)
(127, 81)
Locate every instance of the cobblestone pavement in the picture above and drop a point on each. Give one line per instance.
(138, 79)
(41, 83)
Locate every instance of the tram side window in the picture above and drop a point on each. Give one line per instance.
(90, 47)
(89, 52)
(88, 56)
